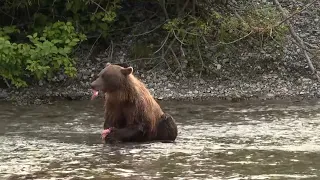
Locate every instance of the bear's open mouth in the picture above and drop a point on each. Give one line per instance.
(95, 93)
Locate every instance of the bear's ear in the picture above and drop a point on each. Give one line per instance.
(126, 71)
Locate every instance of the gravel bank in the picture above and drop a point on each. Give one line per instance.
(163, 88)
(288, 78)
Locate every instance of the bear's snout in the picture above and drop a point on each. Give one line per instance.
(93, 85)
(97, 84)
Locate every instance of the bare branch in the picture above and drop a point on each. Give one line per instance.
(140, 59)
(183, 8)
(298, 12)
(157, 27)
(178, 38)
(178, 62)
(202, 63)
(5, 80)
(171, 43)
(163, 54)
(98, 5)
(181, 48)
(164, 42)
(239, 39)
(299, 41)
(111, 55)
(93, 46)
(163, 5)
(193, 7)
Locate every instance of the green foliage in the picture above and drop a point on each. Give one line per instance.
(89, 16)
(47, 53)
(41, 42)
(11, 61)
(187, 29)
(44, 33)
(5, 31)
(99, 20)
(210, 32)
(255, 21)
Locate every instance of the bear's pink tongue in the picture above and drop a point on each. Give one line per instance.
(94, 94)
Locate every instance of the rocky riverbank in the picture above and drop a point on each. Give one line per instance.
(267, 87)
(247, 77)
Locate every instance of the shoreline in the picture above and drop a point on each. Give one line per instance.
(182, 91)
(193, 99)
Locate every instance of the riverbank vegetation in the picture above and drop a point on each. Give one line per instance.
(38, 39)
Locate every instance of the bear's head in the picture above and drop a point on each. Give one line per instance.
(111, 79)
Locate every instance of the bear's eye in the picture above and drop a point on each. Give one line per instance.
(103, 75)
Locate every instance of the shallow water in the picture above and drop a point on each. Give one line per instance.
(216, 141)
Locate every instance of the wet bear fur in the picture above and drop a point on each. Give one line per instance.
(130, 110)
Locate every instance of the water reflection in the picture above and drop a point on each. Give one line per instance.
(216, 141)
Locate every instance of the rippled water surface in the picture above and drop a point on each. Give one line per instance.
(216, 141)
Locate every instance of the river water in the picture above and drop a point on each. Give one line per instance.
(217, 140)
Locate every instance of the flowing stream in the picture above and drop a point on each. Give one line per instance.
(217, 140)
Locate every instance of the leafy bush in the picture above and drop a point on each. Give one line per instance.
(202, 37)
(47, 53)
(11, 61)
(188, 28)
(256, 21)
(41, 42)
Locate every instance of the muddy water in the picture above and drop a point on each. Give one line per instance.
(216, 141)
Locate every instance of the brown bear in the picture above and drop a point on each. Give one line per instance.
(131, 113)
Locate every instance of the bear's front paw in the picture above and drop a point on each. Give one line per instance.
(112, 136)
(112, 133)
(105, 133)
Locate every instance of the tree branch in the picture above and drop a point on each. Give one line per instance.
(7, 83)
(164, 42)
(163, 5)
(178, 62)
(98, 5)
(299, 41)
(298, 12)
(202, 63)
(93, 47)
(157, 27)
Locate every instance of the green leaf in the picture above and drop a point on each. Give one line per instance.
(56, 41)
(75, 40)
(68, 5)
(5, 51)
(72, 44)
(67, 50)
